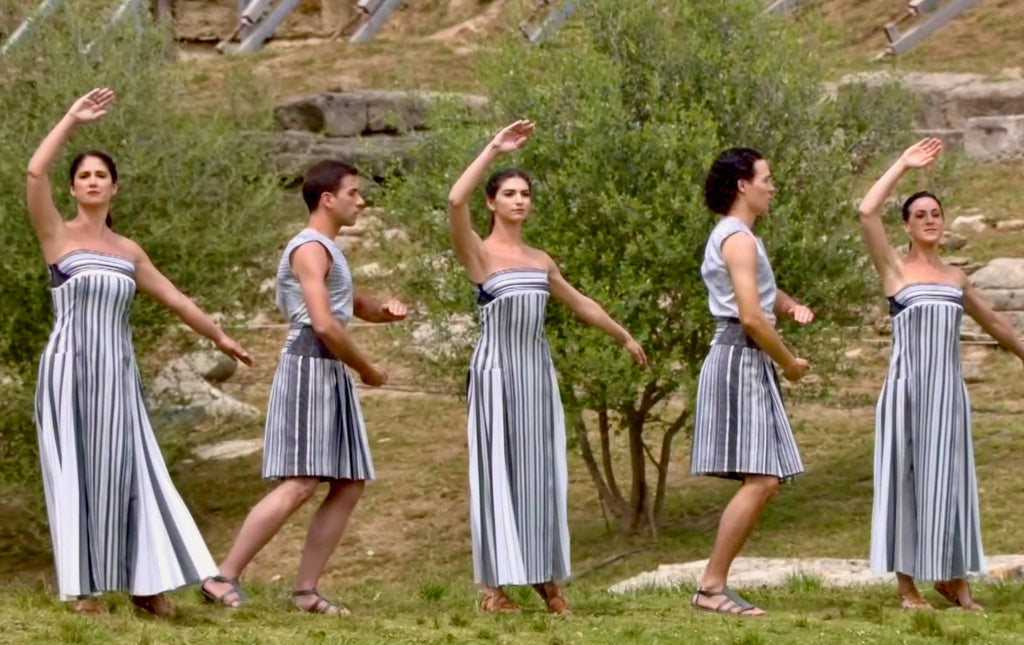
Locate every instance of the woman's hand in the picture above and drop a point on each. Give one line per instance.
(513, 137)
(636, 351)
(231, 347)
(922, 153)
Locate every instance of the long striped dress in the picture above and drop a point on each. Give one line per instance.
(314, 423)
(925, 522)
(116, 520)
(740, 424)
(517, 462)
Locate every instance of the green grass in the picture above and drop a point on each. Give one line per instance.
(392, 614)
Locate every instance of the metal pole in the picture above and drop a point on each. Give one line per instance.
(910, 39)
(265, 29)
(377, 19)
(45, 7)
(119, 14)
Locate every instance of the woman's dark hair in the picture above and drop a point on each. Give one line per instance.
(722, 183)
(107, 161)
(497, 179)
(324, 177)
(916, 196)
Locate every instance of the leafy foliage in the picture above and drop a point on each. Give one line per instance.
(194, 190)
(631, 107)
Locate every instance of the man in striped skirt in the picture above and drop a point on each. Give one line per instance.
(315, 430)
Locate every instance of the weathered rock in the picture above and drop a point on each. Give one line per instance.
(1005, 299)
(952, 241)
(376, 155)
(211, 365)
(1010, 225)
(947, 100)
(180, 386)
(969, 224)
(1000, 273)
(231, 449)
(774, 572)
(995, 138)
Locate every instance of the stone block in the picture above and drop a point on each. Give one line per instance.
(344, 114)
(305, 114)
(995, 138)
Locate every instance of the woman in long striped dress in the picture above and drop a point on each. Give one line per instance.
(314, 431)
(517, 462)
(925, 522)
(741, 430)
(115, 518)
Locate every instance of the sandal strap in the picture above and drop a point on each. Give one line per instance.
(732, 601)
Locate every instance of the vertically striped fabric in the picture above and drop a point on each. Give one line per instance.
(517, 463)
(116, 520)
(741, 426)
(314, 423)
(925, 522)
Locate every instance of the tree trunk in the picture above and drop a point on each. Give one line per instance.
(613, 501)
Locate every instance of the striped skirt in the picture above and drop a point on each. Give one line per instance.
(116, 520)
(741, 426)
(314, 423)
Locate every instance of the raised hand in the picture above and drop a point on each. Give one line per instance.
(801, 314)
(514, 136)
(393, 310)
(922, 153)
(231, 347)
(796, 370)
(637, 352)
(374, 376)
(92, 106)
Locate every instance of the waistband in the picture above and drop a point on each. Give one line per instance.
(303, 342)
(729, 331)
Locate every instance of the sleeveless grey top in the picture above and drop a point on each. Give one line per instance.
(721, 297)
(339, 282)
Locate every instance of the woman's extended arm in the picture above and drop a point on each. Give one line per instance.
(883, 256)
(46, 220)
(468, 245)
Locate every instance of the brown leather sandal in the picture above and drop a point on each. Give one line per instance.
(157, 605)
(494, 601)
(946, 591)
(87, 606)
(554, 598)
(914, 604)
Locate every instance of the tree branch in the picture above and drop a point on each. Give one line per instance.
(615, 503)
(606, 452)
(666, 457)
